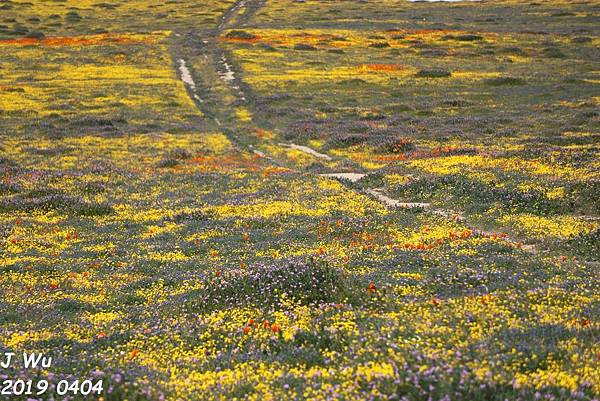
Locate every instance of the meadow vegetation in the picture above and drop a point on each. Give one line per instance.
(166, 223)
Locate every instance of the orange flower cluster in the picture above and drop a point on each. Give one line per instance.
(275, 170)
(583, 322)
(464, 234)
(382, 67)
(419, 246)
(253, 324)
(134, 353)
(91, 40)
(72, 236)
(363, 241)
(452, 236)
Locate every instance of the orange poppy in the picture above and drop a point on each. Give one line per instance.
(134, 352)
(465, 234)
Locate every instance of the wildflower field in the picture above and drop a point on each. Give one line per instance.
(300, 200)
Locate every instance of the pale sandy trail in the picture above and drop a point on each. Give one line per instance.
(306, 150)
(188, 80)
(352, 177)
(227, 75)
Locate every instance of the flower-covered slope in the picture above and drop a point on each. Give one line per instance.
(184, 247)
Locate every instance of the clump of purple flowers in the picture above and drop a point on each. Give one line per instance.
(309, 282)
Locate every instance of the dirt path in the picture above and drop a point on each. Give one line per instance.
(220, 71)
(243, 11)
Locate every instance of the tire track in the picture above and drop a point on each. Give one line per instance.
(207, 45)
